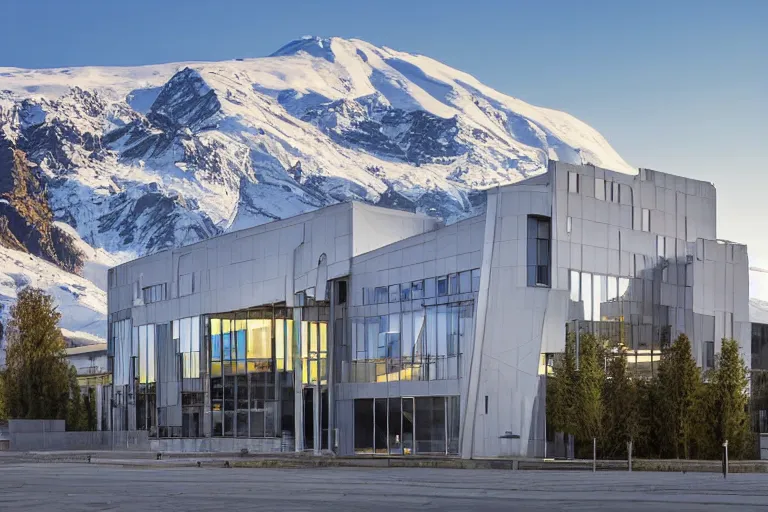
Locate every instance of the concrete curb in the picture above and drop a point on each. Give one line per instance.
(237, 460)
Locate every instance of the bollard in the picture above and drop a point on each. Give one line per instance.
(629, 452)
(594, 454)
(725, 459)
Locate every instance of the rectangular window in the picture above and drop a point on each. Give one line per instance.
(383, 336)
(186, 332)
(380, 295)
(394, 293)
(573, 183)
(568, 224)
(646, 219)
(442, 286)
(709, 355)
(341, 292)
(405, 292)
(586, 294)
(465, 282)
(486, 404)
(575, 285)
(154, 293)
(453, 284)
(476, 280)
(660, 246)
(616, 192)
(417, 290)
(600, 189)
(259, 338)
(538, 251)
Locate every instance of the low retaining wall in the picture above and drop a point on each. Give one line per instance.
(216, 444)
(61, 441)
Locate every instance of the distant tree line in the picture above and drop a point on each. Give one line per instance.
(37, 382)
(678, 413)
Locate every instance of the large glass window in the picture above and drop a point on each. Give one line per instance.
(538, 251)
(259, 338)
(430, 425)
(314, 351)
(364, 425)
(121, 349)
(423, 344)
(405, 425)
(251, 373)
(146, 403)
(186, 335)
(380, 295)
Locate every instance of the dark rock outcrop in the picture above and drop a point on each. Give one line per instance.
(26, 220)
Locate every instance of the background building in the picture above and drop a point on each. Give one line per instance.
(360, 329)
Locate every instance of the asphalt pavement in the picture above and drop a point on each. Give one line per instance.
(84, 487)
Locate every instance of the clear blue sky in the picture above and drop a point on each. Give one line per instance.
(679, 86)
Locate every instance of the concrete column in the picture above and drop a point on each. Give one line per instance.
(298, 411)
(330, 364)
(470, 411)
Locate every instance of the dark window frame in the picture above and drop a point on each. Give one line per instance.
(539, 264)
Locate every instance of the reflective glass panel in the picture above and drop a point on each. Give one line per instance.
(586, 294)
(259, 338)
(215, 339)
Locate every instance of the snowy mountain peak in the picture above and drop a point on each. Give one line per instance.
(138, 159)
(310, 45)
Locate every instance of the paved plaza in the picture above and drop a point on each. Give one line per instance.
(83, 487)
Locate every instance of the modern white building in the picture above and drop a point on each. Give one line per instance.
(364, 330)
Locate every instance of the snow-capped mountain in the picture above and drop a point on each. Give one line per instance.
(134, 160)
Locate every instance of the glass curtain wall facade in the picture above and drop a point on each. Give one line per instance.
(234, 371)
(634, 311)
(423, 336)
(251, 362)
(146, 395)
(424, 340)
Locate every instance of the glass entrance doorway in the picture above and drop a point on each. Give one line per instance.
(314, 381)
(406, 425)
